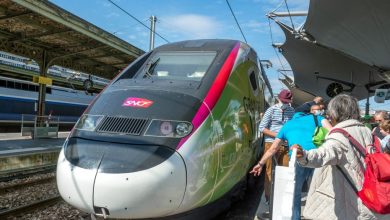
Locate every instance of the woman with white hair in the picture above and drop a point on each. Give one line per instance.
(330, 195)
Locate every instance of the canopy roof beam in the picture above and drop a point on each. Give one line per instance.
(287, 14)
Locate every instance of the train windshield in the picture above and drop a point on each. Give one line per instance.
(177, 65)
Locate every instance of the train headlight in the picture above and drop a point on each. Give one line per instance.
(88, 122)
(165, 128)
(183, 129)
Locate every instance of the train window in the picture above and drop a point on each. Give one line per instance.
(177, 65)
(252, 78)
(10, 84)
(31, 87)
(135, 66)
(25, 86)
(48, 90)
(3, 83)
(18, 85)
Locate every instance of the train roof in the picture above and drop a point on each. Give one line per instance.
(199, 45)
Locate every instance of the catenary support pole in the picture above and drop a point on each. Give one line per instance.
(153, 20)
(42, 87)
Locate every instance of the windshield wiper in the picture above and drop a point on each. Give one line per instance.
(150, 68)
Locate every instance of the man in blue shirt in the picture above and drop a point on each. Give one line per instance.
(299, 130)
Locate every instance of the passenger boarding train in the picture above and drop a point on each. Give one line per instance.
(173, 136)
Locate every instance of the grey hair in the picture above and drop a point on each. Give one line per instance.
(343, 107)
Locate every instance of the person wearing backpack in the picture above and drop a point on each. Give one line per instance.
(332, 193)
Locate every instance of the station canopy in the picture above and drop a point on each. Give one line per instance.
(40, 30)
(342, 47)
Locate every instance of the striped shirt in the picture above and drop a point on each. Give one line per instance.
(274, 118)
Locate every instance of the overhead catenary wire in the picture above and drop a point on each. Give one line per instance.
(239, 27)
(277, 8)
(289, 14)
(272, 41)
(126, 12)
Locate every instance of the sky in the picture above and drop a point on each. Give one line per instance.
(179, 20)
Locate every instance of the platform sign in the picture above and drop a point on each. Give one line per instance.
(42, 80)
(381, 95)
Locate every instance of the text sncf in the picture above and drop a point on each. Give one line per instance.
(137, 102)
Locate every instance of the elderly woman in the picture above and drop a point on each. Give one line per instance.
(330, 195)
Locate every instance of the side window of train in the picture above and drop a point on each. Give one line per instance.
(134, 68)
(253, 80)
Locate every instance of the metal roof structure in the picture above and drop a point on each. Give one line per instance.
(317, 68)
(50, 35)
(42, 31)
(343, 47)
(358, 28)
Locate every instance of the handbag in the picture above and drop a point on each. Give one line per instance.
(319, 133)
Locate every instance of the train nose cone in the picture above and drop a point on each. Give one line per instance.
(154, 192)
(121, 180)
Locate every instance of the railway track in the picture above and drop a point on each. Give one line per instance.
(24, 173)
(16, 186)
(17, 211)
(28, 191)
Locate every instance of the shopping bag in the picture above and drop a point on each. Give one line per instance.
(283, 193)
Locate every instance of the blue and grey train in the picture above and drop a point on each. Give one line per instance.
(20, 97)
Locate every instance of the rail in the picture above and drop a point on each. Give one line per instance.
(26, 172)
(20, 185)
(30, 207)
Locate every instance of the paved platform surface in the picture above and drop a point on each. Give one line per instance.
(253, 206)
(13, 143)
(248, 207)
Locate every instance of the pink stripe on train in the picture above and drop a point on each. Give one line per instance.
(214, 93)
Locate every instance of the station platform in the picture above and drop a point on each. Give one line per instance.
(14, 143)
(19, 153)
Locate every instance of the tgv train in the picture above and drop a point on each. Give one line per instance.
(173, 136)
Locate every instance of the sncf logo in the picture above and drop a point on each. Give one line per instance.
(137, 102)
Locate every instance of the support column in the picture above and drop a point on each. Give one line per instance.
(42, 87)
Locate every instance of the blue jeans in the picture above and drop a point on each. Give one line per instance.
(301, 175)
